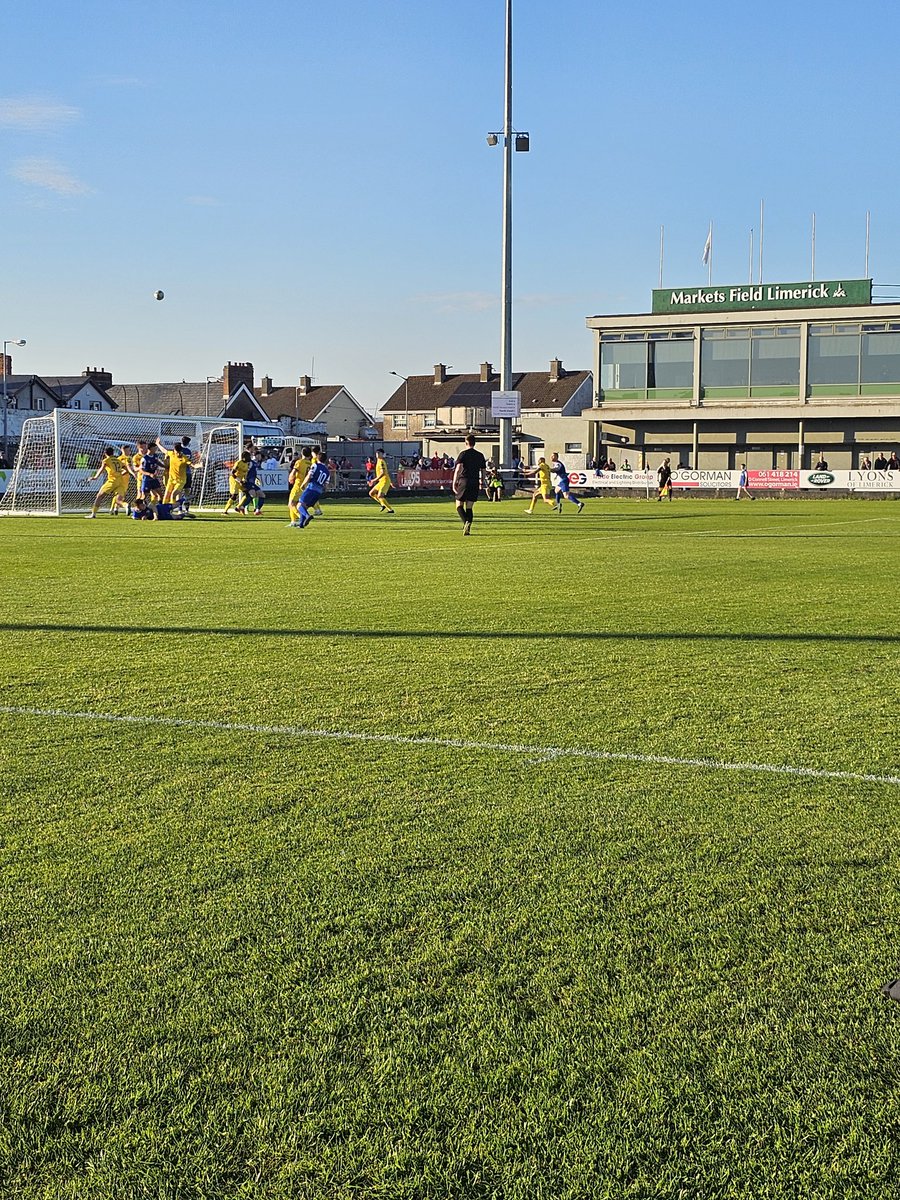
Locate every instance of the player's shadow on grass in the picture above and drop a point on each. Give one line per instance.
(537, 635)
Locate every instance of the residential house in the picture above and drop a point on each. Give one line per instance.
(439, 409)
(306, 409)
(330, 405)
(35, 395)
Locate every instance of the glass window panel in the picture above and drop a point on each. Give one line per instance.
(683, 333)
(623, 366)
(821, 329)
(671, 365)
(656, 337)
(873, 328)
(880, 358)
(788, 330)
(834, 358)
(775, 361)
(635, 337)
(737, 333)
(846, 329)
(725, 364)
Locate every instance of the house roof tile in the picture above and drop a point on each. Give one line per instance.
(422, 394)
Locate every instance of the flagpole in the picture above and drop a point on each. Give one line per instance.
(750, 276)
(709, 260)
(813, 249)
(866, 272)
(762, 208)
(662, 236)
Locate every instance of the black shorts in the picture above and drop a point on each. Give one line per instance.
(466, 491)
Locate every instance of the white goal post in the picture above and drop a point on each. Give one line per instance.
(59, 452)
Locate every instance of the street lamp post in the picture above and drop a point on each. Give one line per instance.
(521, 144)
(405, 406)
(7, 342)
(211, 379)
(405, 397)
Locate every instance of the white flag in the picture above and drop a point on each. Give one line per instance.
(707, 249)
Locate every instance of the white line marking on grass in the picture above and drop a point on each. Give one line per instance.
(533, 753)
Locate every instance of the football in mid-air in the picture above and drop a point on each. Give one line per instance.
(159, 295)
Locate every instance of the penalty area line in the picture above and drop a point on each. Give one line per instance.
(530, 752)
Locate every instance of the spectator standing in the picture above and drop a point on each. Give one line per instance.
(893, 462)
(822, 464)
(880, 462)
(743, 484)
(865, 463)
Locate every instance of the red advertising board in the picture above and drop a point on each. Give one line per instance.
(773, 479)
(415, 478)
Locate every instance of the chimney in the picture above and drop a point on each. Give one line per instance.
(556, 370)
(265, 385)
(440, 373)
(305, 385)
(98, 375)
(487, 370)
(233, 375)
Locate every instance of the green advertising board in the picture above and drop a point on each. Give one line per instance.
(753, 296)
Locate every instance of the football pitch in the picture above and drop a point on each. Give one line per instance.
(374, 861)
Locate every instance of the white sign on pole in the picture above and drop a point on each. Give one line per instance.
(506, 404)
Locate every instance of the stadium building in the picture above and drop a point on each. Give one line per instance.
(772, 375)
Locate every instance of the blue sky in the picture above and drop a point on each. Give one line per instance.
(311, 187)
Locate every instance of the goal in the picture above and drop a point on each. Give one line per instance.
(59, 452)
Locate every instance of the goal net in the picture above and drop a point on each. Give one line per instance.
(60, 452)
(221, 450)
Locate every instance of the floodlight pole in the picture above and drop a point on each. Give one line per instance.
(521, 143)
(506, 297)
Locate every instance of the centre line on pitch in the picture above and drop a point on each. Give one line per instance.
(397, 739)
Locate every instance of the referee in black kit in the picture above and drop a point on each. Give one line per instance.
(468, 480)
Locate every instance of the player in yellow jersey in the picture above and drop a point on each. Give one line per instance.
(124, 460)
(111, 486)
(296, 478)
(236, 480)
(541, 475)
(382, 484)
(176, 474)
(139, 453)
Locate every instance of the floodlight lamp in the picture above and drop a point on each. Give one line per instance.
(522, 141)
(492, 139)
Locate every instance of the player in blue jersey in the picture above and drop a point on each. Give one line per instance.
(560, 477)
(150, 485)
(252, 490)
(314, 486)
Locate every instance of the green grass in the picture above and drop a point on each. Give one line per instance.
(271, 964)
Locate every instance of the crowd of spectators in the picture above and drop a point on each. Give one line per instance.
(437, 462)
(880, 463)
